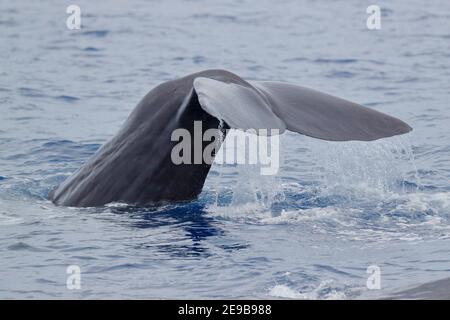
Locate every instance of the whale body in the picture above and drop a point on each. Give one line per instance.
(135, 166)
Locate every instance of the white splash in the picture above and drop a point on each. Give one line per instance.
(324, 291)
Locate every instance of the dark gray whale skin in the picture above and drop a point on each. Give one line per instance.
(435, 290)
(135, 166)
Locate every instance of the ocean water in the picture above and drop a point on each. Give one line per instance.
(310, 232)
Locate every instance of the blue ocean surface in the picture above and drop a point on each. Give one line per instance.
(310, 232)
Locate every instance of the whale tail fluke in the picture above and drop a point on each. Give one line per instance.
(277, 105)
(136, 165)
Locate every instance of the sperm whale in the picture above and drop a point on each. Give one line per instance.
(135, 166)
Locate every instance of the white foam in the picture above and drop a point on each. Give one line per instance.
(324, 291)
(283, 291)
